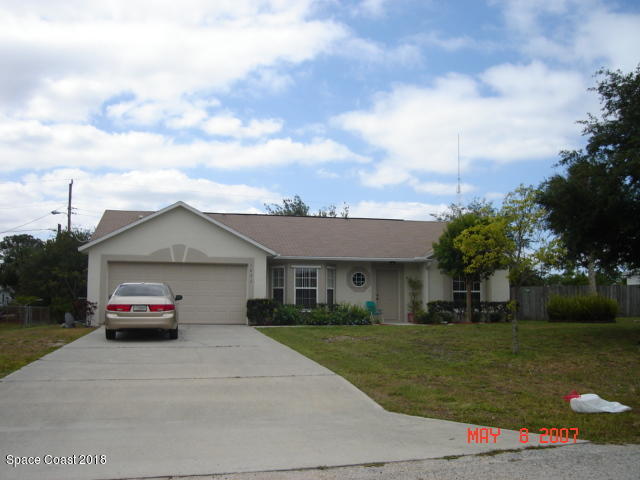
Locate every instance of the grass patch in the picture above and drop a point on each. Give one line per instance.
(20, 346)
(466, 373)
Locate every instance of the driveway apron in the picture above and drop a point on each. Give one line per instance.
(219, 399)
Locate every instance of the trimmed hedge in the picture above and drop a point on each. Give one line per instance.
(264, 311)
(582, 308)
(260, 311)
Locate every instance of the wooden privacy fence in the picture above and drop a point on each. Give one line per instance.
(532, 301)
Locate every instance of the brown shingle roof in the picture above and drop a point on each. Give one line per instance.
(316, 237)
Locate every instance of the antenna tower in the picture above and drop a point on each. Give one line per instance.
(458, 187)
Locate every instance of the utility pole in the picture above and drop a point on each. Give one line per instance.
(69, 207)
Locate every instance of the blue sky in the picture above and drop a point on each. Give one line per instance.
(231, 104)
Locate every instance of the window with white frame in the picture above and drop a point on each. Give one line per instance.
(460, 290)
(331, 285)
(306, 286)
(277, 284)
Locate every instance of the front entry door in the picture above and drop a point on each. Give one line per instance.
(387, 294)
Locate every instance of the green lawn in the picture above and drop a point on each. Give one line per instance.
(467, 373)
(20, 346)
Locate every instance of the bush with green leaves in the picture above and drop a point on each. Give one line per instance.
(425, 317)
(287, 315)
(582, 308)
(341, 314)
(260, 311)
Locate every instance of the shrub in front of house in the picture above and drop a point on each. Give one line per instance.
(264, 311)
(341, 314)
(582, 308)
(287, 315)
(260, 311)
(424, 317)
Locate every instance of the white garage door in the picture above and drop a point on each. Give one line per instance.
(212, 293)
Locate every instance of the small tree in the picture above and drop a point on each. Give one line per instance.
(533, 248)
(451, 259)
(485, 248)
(415, 305)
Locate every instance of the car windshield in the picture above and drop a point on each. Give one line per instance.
(141, 291)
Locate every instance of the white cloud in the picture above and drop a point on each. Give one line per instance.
(36, 195)
(38, 146)
(590, 31)
(402, 210)
(278, 152)
(508, 113)
(323, 173)
(405, 54)
(231, 126)
(373, 8)
(67, 59)
(614, 37)
(439, 188)
(450, 44)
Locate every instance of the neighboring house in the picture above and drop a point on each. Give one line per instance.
(218, 260)
(5, 297)
(633, 279)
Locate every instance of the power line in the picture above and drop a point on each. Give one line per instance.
(24, 224)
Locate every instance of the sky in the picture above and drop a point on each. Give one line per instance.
(231, 104)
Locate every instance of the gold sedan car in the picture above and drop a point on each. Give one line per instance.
(142, 305)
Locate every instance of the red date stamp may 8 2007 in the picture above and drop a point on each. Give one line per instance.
(545, 435)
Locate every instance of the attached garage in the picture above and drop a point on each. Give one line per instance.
(212, 293)
(214, 267)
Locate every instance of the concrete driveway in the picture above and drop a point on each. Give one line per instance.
(220, 399)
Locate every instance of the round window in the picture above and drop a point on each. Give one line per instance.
(359, 279)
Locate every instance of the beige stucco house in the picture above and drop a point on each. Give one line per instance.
(218, 260)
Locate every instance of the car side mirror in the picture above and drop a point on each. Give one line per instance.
(178, 297)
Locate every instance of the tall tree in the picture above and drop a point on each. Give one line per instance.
(56, 272)
(14, 253)
(586, 209)
(595, 206)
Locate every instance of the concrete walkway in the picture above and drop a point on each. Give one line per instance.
(220, 399)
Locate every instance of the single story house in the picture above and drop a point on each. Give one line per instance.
(219, 260)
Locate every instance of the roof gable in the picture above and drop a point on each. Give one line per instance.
(115, 222)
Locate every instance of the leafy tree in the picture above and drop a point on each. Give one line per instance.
(451, 259)
(485, 248)
(595, 206)
(586, 208)
(14, 253)
(296, 207)
(290, 206)
(478, 206)
(532, 249)
(55, 271)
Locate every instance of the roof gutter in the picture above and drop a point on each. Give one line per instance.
(352, 259)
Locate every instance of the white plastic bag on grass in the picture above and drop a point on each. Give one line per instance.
(592, 403)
